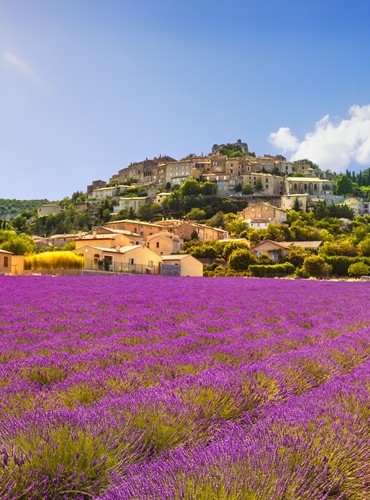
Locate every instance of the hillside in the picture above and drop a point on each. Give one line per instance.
(10, 208)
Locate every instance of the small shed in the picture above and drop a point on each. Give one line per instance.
(181, 265)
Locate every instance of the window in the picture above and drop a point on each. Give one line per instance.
(131, 260)
(157, 244)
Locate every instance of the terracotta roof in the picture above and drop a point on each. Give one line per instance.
(288, 244)
(176, 256)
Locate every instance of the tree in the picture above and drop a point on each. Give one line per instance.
(278, 232)
(236, 226)
(20, 223)
(296, 256)
(342, 246)
(208, 188)
(19, 244)
(258, 186)
(190, 188)
(148, 211)
(315, 266)
(341, 211)
(358, 269)
(218, 220)
(321, 210)
(344, 185)
(364, 246)
(296, 205)
(240, 259)
(196, 214)
(230, 247)
(247, 189)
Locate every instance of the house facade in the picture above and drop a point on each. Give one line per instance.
(128, 259)
(181, 265)
(307, 185)
(165, 243)
(144, 229)
(276, 250)
(267, 184)
(187, 229)
(132, 203)
(260, 215)
(108, 238)
(5, 262)
(50, 209)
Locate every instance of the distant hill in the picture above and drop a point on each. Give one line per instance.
(12, 208)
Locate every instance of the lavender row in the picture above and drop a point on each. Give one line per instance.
(315, 446)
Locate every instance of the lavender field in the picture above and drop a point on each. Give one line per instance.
(184, 388)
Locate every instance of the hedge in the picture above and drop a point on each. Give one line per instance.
(271, 270)
(341, 263)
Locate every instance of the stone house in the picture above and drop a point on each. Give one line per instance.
(276, 250)
(178, 172)
(50, 209)
(5, 262)
(129, 259)
(288, 201)
(160, 197)
(186, 229)
(270, 185)
(312, 186)
(144, 229)
(108, 238)
(103, 193)
(133, 202)
(165, 243)
(260, 215)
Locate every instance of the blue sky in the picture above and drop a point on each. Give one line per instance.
(88, 86)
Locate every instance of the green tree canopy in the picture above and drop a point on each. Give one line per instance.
(358, 269)
(19, 244)
(149, 211)
(315, 266)
(196, 214)
(344, 185)
(190, 188)
(240, 259)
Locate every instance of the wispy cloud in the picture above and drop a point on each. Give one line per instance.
(25, 70)
(332, 144)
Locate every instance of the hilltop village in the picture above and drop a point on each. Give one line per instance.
(228, 212)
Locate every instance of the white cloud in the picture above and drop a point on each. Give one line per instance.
(284, 140)
(332, 145)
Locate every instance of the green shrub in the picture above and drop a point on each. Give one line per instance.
(240, 259)
(316, 267)
(271, 270)
(358, 269)
(341, 263)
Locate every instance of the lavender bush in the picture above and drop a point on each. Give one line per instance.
(148, 387)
